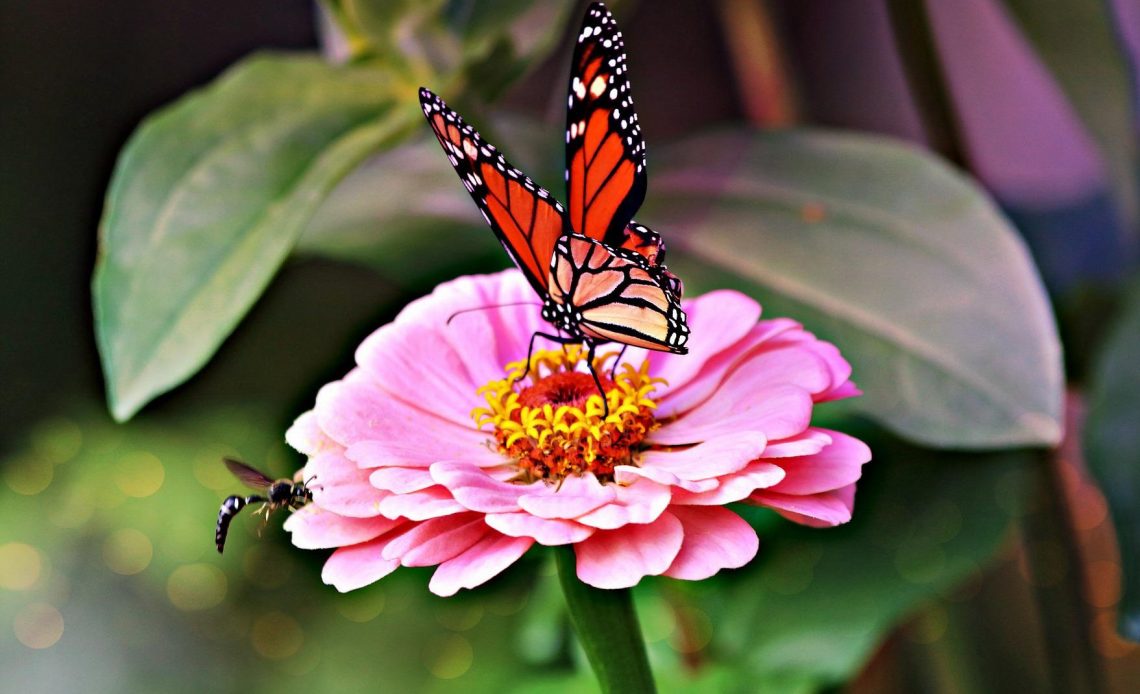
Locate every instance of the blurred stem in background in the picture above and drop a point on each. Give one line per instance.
(764, 87)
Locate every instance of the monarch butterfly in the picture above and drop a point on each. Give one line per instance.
(601, 276)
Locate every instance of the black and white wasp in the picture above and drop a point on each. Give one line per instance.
(283, 493)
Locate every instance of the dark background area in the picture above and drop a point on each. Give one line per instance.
(76, 79)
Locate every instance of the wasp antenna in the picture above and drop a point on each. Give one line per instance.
(491, 306)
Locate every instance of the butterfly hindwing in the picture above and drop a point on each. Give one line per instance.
(619, 295)
(525, 217)
(605, 154)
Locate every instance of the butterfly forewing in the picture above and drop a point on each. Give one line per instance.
(605, 155)
(525, 217)
(249, 476)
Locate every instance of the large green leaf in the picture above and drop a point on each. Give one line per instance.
(815, 603)
(902, 262)
(1112, 444)
(1094, 73)
(207, 200)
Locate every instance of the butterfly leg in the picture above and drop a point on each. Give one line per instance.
(597, 381)
(614, 368)
(530, 350)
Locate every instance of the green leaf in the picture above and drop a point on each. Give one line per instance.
(207, 200)
(406, 215)
(1094, 74)
(1112, 444)
(815, 603)
(485, 44)
(887, 252)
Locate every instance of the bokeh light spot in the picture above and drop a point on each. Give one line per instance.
(196, 587)
(140, 474)
(28, 475)
(38, 625)
(57, 440)
(450, 657)
(362, 605)
(276, 635)
(20, 566)
(127, 551)
(459, 617)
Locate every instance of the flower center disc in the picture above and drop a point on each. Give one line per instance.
(551, 421)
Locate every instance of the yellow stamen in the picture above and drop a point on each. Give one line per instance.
(550, 418)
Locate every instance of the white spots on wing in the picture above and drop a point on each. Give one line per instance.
(470, 149)
(598, 86)
(486, 152)
(573, 132)
(578, 88)
(617, 114)
(613, 94)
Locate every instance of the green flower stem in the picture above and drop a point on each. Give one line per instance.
(607, 628)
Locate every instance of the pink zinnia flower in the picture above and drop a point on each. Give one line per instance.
(430, 453)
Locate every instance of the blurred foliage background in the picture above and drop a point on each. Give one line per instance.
(983, 555)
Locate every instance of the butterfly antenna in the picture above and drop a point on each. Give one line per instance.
(487, 308)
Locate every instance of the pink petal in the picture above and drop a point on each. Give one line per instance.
(628, 474)
(819, 510)
(306, 437)
(836, 466)
(437, 540)
(715, 539)
(432, 502)
(356, 566)
(809, 442)
(714, 371)
(545, 531)
(774, 413)
(736, 486)
(313, 527)
(489, 557)
(717, 320)
(401, 480)
(712, 458)
(787, 365)
(639, 503)
(847, 390)
(355, 409)
(419, 366)
(577, 495)
(341, 487)
(620, 558)
(427, 446)
(476, 490)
